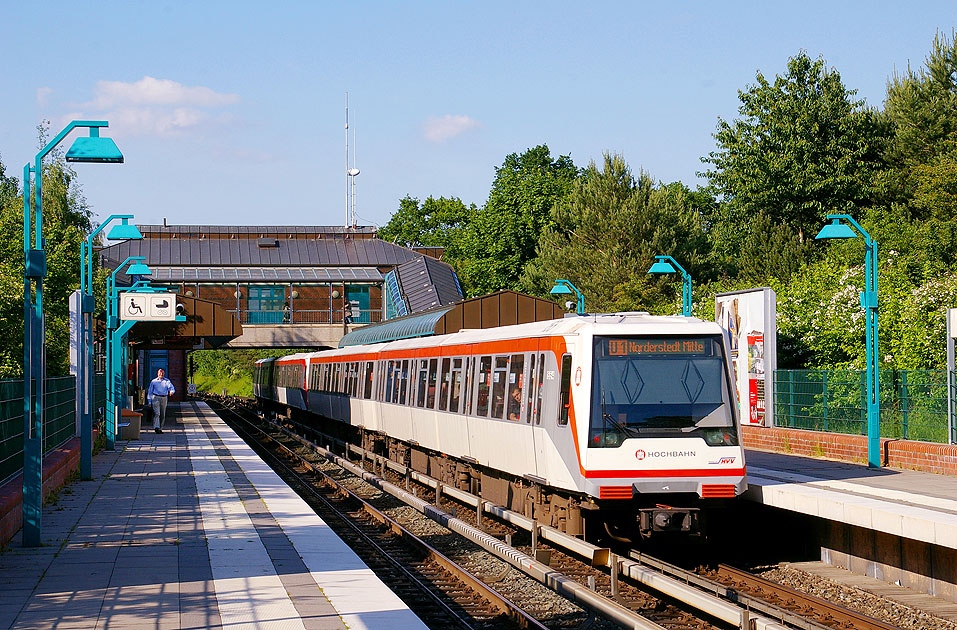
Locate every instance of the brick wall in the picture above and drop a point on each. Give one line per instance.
(57, 467)
(908, 454)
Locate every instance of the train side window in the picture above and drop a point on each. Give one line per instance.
(354, 390)
(484, 381)
(422, 380)
(391, 383)
(566, 380)
(467, 386)
(533, 389)
(444, 381)
(430, 391)
(499, 378)
(404, 381)
(455, 385)
(516, 387)
(540, 389)
(370, 370)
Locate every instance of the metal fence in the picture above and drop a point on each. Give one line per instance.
(913, 402)
(59, 421)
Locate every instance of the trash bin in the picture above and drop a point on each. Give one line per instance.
(130, 424)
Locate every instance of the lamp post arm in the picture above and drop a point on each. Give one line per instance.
(86, 257)
(94, 126)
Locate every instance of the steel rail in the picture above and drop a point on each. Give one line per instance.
(498, 601)
(841, 616)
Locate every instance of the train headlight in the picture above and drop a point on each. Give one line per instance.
(720, 436)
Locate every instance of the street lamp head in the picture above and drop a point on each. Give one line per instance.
(836, 229)
(662, 266)
(94, 149)
(560, 289)
(138, 269)
(124, 232)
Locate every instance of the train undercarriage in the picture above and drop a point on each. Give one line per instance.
(619, 519)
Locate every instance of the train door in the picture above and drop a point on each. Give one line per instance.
(536, 399)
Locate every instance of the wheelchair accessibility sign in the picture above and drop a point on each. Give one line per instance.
(154, 307)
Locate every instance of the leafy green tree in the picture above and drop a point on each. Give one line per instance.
(66, 222)
(606, 232)
(803, 147)
(502, 236)
(431, 223)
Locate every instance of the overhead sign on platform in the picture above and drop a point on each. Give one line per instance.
(150, 307)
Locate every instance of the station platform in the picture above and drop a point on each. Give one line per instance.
(189, 529)
(916, 505)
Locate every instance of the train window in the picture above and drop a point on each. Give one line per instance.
(516, 386)
(390, 384)
(444, 381)
(466, 387)
(564, 398)
(433, 368)
(540, 389)
(533, 392)
(370, 369)
(499, 378)
(455, 385)
(354, 382)
(484, 381)
(423, 377)
(404, 381)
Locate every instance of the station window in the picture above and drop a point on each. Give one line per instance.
(566, 380)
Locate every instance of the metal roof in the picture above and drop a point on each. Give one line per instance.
(244, 252)
(420, 325)
(254, 229)
(242, 274)
(427, 283)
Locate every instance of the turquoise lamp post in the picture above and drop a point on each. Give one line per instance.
(90, 149)
(667, 264)
(115, 333)
(85, 369)
(564, 287)
(837, 229)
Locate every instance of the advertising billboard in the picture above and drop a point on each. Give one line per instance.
(749, 319)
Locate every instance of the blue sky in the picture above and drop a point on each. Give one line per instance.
(232, 112)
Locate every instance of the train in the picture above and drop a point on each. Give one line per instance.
(619, 424)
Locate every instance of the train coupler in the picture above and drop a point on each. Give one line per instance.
(663, 518)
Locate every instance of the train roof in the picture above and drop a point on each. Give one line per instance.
(599, 324)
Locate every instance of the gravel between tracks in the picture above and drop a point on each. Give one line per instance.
(856, 599)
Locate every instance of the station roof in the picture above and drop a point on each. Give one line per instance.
(245, 274)
(427, 283)
(261, 252)
(255, 231)
(503, 308)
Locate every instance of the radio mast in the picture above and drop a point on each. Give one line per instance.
(351, 173)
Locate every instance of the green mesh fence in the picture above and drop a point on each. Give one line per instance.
(913, 402)
(59, 423)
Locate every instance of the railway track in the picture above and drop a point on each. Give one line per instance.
(627, 581)
(439, 591)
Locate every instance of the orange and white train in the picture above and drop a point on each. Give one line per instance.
(623, 421)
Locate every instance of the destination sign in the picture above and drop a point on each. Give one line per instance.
(629, 347)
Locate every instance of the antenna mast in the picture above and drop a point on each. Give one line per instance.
(350, 174)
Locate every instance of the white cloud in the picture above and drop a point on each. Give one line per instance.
(43, 96)
(158, 106)
(150, 91)
(448, 126)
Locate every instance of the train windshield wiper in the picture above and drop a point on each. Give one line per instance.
(607, 417)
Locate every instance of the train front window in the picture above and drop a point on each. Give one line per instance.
(659, 387)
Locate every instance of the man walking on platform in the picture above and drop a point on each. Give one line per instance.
(157, 396)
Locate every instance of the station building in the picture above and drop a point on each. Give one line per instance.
(286, 286)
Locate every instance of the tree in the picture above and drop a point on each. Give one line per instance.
(65, 215)
(605, 234)
(801, 149)
(502, 236)
(921, 106)
(432, 223)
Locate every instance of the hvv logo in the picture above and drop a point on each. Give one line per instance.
(723, 460)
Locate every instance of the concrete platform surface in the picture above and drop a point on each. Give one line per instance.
(917, 505)
(189, 529)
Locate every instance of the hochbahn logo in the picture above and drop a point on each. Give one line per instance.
(642, 453)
